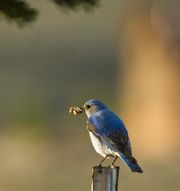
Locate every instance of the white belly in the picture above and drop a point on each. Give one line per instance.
(99, 147)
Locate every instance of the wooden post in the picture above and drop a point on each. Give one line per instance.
(105, 178)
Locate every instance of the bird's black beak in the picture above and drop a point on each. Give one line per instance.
(82, 107)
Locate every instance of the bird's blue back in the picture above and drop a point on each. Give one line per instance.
(108, 124)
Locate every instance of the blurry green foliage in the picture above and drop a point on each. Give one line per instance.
(17, 11)
(74, 4)
(21, 13)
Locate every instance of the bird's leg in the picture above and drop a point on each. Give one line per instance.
(103, 160)
(116, 157)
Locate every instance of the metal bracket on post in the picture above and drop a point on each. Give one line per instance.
(105, 178)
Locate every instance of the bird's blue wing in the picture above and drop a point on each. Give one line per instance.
(111, 129)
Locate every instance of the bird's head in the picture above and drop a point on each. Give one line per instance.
(92, 106)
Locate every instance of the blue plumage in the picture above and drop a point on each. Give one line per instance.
(108, 134)
(108, 124)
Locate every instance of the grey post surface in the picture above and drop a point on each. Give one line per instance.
(105, 178)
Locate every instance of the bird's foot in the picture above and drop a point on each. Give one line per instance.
(99, 165)
(99, 168)
(111, 166)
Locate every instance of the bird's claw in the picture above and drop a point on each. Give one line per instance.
(99, 166)
(112, 166)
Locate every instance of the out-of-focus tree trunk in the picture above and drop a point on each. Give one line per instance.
(149, 84)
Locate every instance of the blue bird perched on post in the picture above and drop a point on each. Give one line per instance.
(108, 134)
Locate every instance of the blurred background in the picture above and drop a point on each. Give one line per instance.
(60, 53)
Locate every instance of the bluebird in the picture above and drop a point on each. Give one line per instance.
(109, 135)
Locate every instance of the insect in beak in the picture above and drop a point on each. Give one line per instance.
(76, 110)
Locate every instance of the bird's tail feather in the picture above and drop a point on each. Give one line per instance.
(131, 163)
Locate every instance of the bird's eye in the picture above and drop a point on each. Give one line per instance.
(88, 106)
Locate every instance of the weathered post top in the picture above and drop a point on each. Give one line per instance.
(105, 178)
